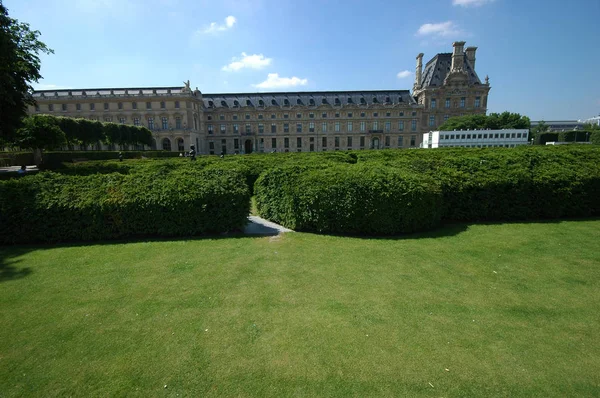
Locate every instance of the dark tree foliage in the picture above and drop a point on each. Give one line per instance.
(494, 121)
(39, 132)
(19, 67)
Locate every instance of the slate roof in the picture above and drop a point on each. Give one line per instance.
(90, 92)
(308, 98)
(439, 66)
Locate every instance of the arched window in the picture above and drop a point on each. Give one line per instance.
(311, 102)
(273, 102)
(299, 102)
(248, 103)
(362, 101)
(236, 104)
(286, 102)
(166, 144)
(224, 104)
(337, 101)
(180, 147)
(324, 101)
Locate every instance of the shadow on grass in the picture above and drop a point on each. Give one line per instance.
(9, 269)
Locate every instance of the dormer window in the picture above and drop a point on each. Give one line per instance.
(236, 104)
(324, 101)
(286, 102)
(388, 100)
(273, 102)
(362, 101)
(261, 103)
(248, 103)
(224, 104)
(349, 100)
(211, 104)
(337, 101)
(374, 100)
(311, 102)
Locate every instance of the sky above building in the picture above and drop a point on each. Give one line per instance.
(541, 56)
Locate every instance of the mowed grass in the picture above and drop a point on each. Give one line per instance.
(475, 311)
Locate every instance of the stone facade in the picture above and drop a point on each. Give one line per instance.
(286, 121)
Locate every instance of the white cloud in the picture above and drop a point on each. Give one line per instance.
(215, 27)
(404, 74)
(469, 3)
(444, 29)
(274, 81)
(254, 61)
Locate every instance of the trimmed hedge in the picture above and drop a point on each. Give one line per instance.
(54, 160)
(349, 199)
(15, 158)
(50, 207)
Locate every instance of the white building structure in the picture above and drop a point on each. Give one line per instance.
(475, 138)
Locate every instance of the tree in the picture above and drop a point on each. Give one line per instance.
(19, 66)
(39, 132)
(494, 121)
(538, 130)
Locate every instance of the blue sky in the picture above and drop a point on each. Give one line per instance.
(542, 56)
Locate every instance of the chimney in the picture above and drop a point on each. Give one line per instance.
(419, 71)
(471, 56)
(458, 56)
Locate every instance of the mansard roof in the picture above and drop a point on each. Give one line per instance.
(90, 92)
(439, 66)
(307, 98)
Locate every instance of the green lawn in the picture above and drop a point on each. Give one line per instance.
(475, 311)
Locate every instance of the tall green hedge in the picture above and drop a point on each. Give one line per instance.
(54, 160)
(49, 207)
(349, 199)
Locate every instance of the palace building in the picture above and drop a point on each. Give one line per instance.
(286, 121)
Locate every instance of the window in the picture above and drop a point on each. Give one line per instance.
(462, 102)
(149, 106)
(401, 125)
(446, 117)
(299, 142)
(463, 136)
(375, 114)
(134, 105)
(64, 107)
(401, 114)
(273, 116)
(106, 106)
(273, 128)
(468, 136)
(362, 142)
(136, 121)
(433, 103)
(349, 139)
(337, 126)
(387, 140)
(502, 135)
(485, 136)
(388, 114)
(286, 128)
(77, 106)
(163, 105)
(349, 128)
(166, 144)
(496, 135)
(248, 129)
(210, 128)
(337, 114)
(477, 102)
(236, 143)
(400, 141)
(165, 123)
(431, 121)
(122, 120)
(236, 128)
(311, 127)
(180, 146)
(414, 113)
(176, 104)
(209, 117)
(286, 116)
(388, 126)
(260, 116)
(108, 119)
(413, 140)
(286, 142)
(413, 125)
(151, 123)
(324, 127)
(447, 102)
(261, 128)
(518, 135)
(349, 114)
(92, 107)
(337, 142)
(363, 126)
(273, 143)
(222, 129)
(298, 116)
(247, 116)
(362, 114)
(178, 122)
(324, 115)
(211, 145)
(375, 125)
(311, 115)
(221, 117)
(324, 142)
(298, 127)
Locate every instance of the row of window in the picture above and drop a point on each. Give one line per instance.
(92, 106)
(480, 136)
(162, 122)
(461, 104)
(311, 102)
(484, 146)
(387, 127)
(337, 143)
(311, 115)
